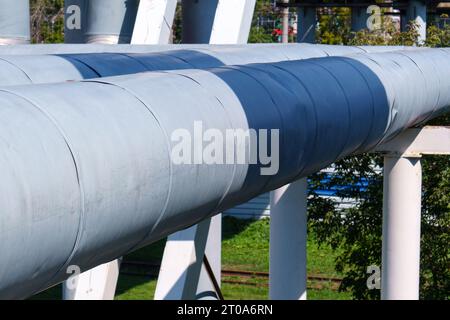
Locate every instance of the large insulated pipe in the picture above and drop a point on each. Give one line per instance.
(126, 48)
(18, 69)
(110, 21)
(14, 22)
(90, 170)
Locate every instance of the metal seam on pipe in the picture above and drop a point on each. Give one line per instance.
(17, 67)
(274, 103)
(230, 122)
(347, 100)
(155, 116)
(66, 139)
(83, 63)
(372, 99)
(73, 253)
(313, 103)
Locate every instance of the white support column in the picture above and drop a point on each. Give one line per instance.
(402, 192)
(182, 262)
(98, 283)
(288, 233)
(154, 22)
(232, 21)
(285, 18)
(306, 24)
(401, 228)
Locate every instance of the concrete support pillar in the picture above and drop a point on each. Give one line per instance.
(402, 193)
(98, 283)
(416, 11)
(110, 21)
(285, 17)
(182, 263)
(288, 242)
(14, 22)
(217, 21)
(359, 18)
(154, 22)
(306, 24)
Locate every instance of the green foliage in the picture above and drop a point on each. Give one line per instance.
(437, 37)
(260, 35)
(47, 21)
(387, 35)
(334, 27)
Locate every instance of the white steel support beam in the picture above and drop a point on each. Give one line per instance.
(98, 283)
(402, 192)
(213, 252)
(182, 263)
(232, 21)
(288, 232)
(401, 228)
(154, 22)
(285, 17)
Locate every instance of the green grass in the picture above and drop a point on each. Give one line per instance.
(245, 246)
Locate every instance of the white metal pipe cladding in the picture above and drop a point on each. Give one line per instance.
(14, 21)
(129, 48)
(27, 69)
(95, 169)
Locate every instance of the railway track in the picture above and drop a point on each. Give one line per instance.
(238, 277)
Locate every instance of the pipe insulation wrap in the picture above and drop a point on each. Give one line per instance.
(87, 168)
(127, 48)
(14, 22)
(22, 69)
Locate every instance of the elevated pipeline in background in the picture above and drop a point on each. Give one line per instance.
(14, 22)
(88, 173)
(28, 69)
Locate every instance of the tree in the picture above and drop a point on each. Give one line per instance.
(47, 21)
